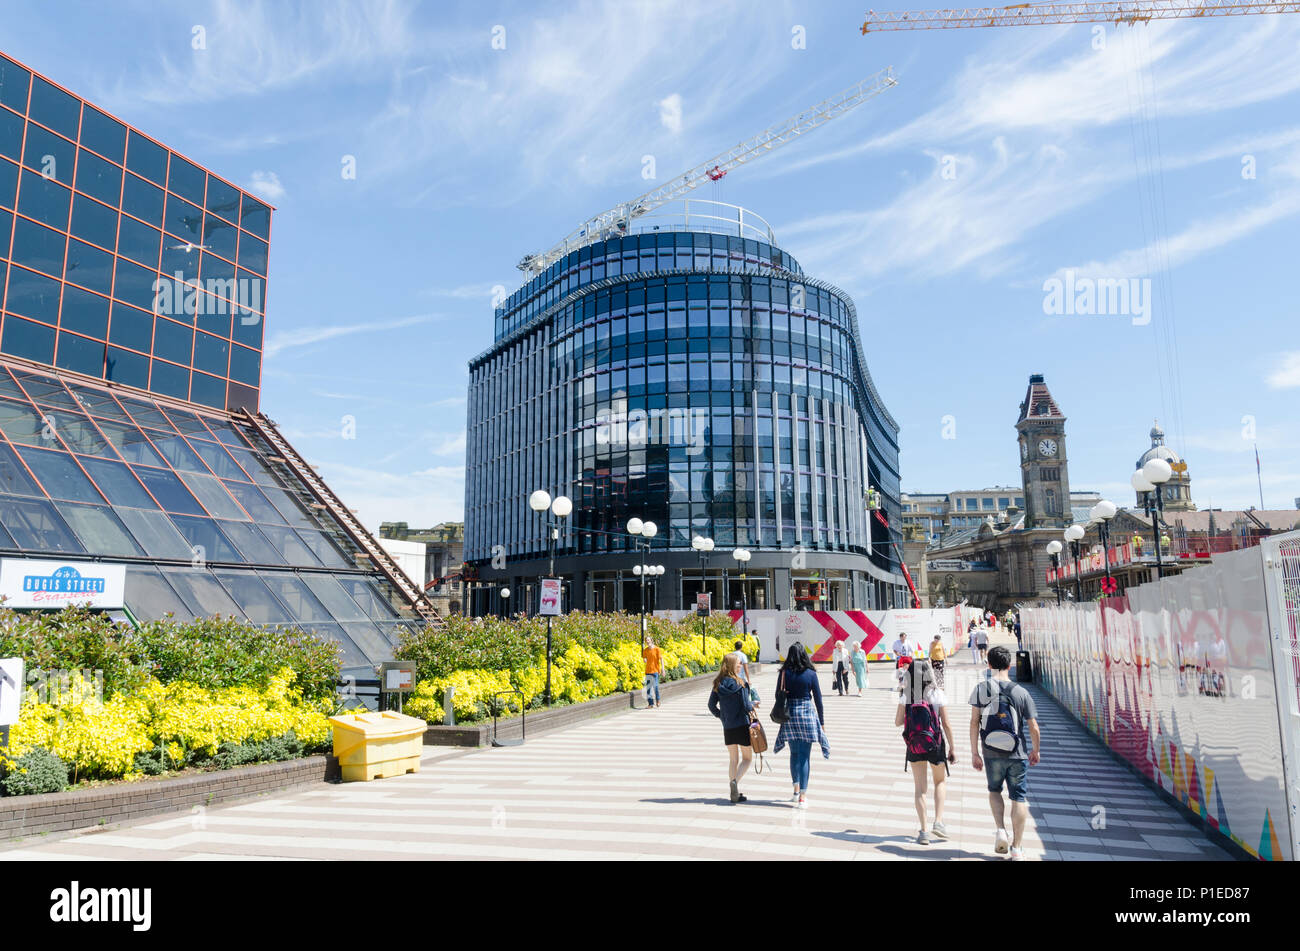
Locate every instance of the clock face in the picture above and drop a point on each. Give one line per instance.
(1047, 447)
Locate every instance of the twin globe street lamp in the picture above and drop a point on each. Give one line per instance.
(1102, 513)
(742, 556)
(1148, 480)
(702, 546)
(1054, 549)
(643, 534)
(560, 507)
(1074, 534)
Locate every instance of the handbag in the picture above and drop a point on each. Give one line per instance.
(757, 742)
(779, 713)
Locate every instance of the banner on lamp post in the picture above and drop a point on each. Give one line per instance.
(552, 598)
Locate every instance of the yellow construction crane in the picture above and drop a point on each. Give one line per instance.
(1038, 14)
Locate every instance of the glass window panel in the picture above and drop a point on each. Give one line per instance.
(169, 379)
(252, 464)
(130, 443)
(294, 550)
(96, 402)
(178, 452)
(201, 592)
(187, 179)
(98, 178)
(186, 422)
(89, 266)
(59, 475)
(207, 390)
(252, 253)
(211, 354)
(104, 134)
(38, 247)
(50, 155)
(117, 482)
(255, 503)
(218, 460)
(170, 492)
(35, 526)
(225, 432)
(80, 435)
(125, 366)
(222, 199)
(135, 285)
(23, 338)
(336, 600)
(252, 543)
(253, 597)
(81, 354)
(256, 217)
(353, 662)
(46, 390)
(11, 135)
(210, 491)
(296, 596)
(184, 220)
(92, 221)
(14, 83)
(146, 158)
(99, 530)
(14, 478)
(22, 423)
(156, 533)
(6, 540)
(131, 328)
(32, 295)
(139, 242)
(8, 190)
(84, 312)
(220, 237)
(53, 107)
(173, 341)
(325, 549)
(47, 201)
(292, 510)
(203, 534)
(143, 200)
(146, 414)
(372, 601)
(369, 639)
(150, 597)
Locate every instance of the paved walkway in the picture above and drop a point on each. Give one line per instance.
(652, 785)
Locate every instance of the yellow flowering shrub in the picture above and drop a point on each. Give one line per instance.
(473, 688)
(101, 738)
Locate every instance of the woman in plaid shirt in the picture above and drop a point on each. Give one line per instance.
(803, 726)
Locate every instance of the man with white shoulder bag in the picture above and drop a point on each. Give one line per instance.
(1000, 713)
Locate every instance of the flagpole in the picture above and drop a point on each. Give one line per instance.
(1259, 476)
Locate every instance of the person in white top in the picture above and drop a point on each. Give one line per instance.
(923, 713)
(840, 662)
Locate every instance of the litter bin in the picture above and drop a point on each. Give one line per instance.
(1024, 668)
(377, 745)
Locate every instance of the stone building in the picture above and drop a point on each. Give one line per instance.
(444, 553)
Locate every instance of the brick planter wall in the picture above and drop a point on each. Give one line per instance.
(480, 734)
(104, 805)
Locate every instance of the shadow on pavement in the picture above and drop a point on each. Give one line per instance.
(945, 852)
(682, 801)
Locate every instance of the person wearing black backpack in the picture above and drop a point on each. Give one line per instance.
(923, 715)
(1002, 713)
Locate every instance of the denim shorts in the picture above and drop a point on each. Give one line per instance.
(1015, 772)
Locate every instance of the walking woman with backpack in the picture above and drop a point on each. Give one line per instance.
(798, 708)
(730, 702)
(923, 715)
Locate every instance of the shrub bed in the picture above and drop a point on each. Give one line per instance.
(593, 655)
(211, 693)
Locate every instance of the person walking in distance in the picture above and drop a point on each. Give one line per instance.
(1004, 742)
(937, 657)
(859, 659)
(743, 658)
(653, 671)
(840, 660)
(982, 644)
(804, 718)
(923, 714)
(729, 701)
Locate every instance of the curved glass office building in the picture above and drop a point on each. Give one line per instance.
(693, 376)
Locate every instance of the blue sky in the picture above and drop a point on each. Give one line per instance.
(1003, 159)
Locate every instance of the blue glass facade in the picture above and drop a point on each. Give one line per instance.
(695, 379)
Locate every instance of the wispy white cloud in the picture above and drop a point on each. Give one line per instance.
(303, 336)
(266, 184)
(424, 496)
(670, 113)
(1286, 375)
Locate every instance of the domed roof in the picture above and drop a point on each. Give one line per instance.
(1158, 449)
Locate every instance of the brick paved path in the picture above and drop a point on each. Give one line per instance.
(652, 785)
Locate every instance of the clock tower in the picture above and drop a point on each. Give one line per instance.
(1043, 461)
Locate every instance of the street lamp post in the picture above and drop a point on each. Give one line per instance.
(505, 602)
(1102, 513)
(540, 501)
(702, 547)
(1054, 549)
(1148, 480)
(1073, 535)
(642, 535)
(742, 557)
